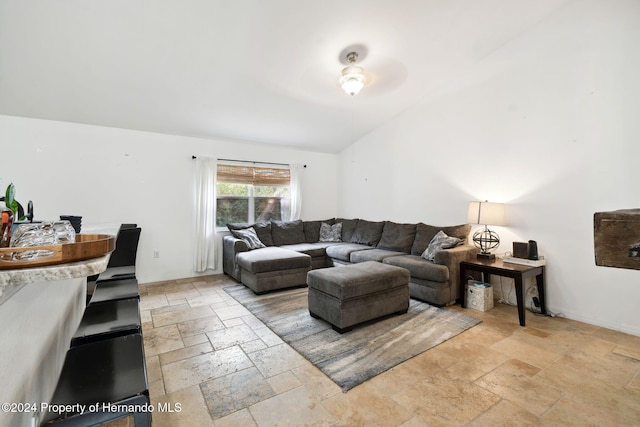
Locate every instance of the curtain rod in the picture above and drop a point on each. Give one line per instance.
(251, 161)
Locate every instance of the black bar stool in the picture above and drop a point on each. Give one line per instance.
(110, 376)
(122, 262)
(106, 320)
(117, 273)
(112, 290)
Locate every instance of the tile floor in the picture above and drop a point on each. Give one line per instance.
(214, 363)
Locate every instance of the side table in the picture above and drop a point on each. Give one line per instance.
(519, 273)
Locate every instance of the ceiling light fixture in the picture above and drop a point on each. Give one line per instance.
(352, 79)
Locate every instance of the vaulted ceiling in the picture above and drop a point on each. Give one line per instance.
(263, 71)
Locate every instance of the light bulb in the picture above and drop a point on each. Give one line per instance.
(352, 79)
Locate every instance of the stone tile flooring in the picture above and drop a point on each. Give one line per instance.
(225, 368)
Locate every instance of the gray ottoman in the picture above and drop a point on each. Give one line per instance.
(349, 295)
(268, 269)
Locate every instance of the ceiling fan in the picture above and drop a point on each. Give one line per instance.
(375, 75)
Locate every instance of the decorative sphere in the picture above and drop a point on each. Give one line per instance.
(486, 239)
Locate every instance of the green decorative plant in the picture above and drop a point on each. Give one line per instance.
(11, 202)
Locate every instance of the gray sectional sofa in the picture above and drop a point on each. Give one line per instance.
(288, 250)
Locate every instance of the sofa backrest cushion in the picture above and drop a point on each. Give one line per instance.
(397, 237)
(348, 227)
(367, 232)
(312, 229)
(262, 229)
(287, 232)
(424, 234)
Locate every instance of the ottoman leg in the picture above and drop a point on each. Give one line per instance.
(341, 330)
(335, 328)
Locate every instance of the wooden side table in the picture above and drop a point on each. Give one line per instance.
(519, 273)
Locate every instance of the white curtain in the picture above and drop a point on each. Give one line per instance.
(295, 187)
(205, 241)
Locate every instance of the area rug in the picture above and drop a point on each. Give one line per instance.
(352, 358)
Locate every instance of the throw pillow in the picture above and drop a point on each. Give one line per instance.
(330, 233)
(425, 233)
(262, 229)
(439, 242)
(312, 229)
(249, 236)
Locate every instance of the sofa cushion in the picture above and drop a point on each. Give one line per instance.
(249, 236)
(330, 233)
(272, 259)
(419, 267)
(312, 249)
(348, 227)
(424, 234)
(263, 230)
(439, 242)
(287, 232)
(372, 255)
(397, 237)
(312, 229)
(342, 251)
(367, 232)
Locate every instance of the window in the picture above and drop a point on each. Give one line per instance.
(251, 194)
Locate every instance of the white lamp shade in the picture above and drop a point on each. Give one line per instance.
(352, 80)
(486, 213)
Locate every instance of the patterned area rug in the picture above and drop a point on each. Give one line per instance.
(352, 358)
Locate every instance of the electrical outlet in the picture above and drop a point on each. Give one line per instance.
(156, 254)
(536, 302)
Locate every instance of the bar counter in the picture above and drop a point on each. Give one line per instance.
(40, 310)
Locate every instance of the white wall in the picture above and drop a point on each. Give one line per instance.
(548, 124)
(110, 175)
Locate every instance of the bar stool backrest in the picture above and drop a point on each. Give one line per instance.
(126, 247)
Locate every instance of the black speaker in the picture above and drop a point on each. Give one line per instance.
(520, 250)
(533, 250)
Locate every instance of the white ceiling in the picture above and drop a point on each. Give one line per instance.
(255, 70)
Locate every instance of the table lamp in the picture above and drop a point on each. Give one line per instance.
(486, 213)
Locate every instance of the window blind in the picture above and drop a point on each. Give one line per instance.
(255, 175)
